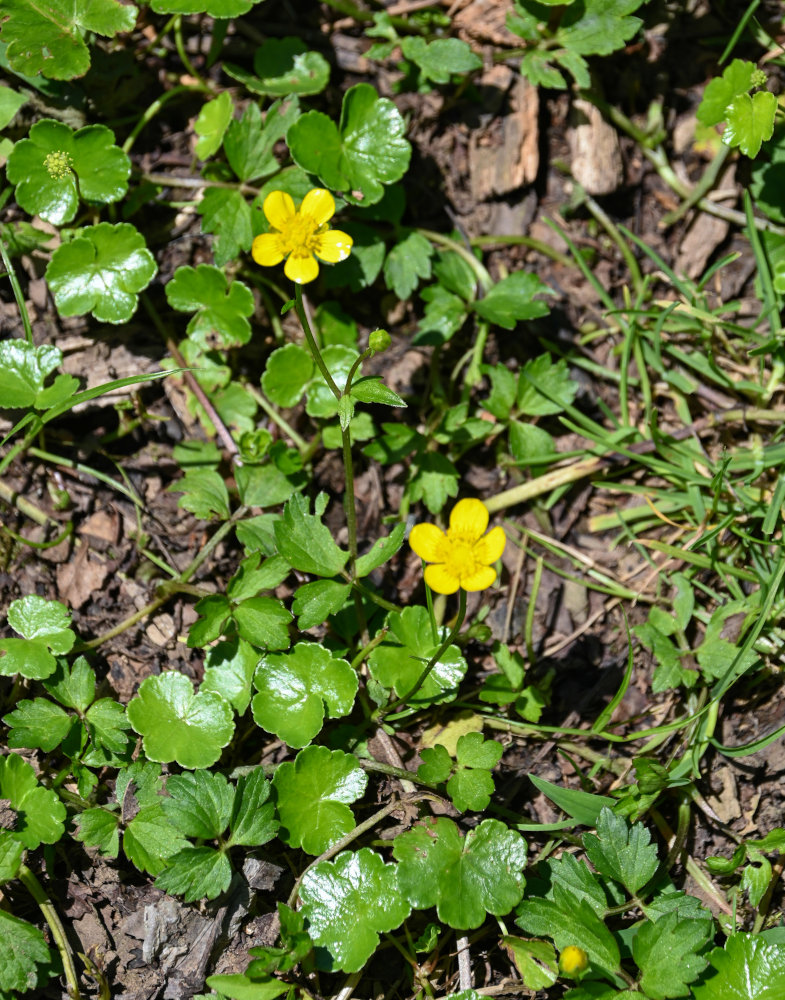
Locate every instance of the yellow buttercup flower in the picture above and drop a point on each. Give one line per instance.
(462, 556)
(573, 961)
(300, 235)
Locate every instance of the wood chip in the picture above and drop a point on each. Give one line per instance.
(505, 155)
(594, 145)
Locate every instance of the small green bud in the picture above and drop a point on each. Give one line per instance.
(379, 341)
(758, 78)
(58, 164)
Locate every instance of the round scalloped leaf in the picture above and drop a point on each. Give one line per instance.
(366, 151)
(47, 37)
(213, 8)
(40, 813)
(288, 371)
(23, 370)
(177, 724)
(399, 662)
(748, 968)
(222, 309)
(284, 66)
(321, 401)
(297, 689)
(312, 796)
(463, 878)
(347, 904)
(55, 165)
(44, 627)
(101, 271)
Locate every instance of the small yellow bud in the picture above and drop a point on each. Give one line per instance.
(573, 961)
(58, 164)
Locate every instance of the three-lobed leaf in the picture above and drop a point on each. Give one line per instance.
(666, 952)
(621, 852)
(221, 309)
(101, 271)
(178, 724)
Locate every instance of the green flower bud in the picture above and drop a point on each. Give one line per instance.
(379, 341)
(758, 78)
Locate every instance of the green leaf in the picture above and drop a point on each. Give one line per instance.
(666, 954)
(199, 804)
(436, 765)
(204, 494)
(312, 796)
(435, 480)
(38, 724)
(512, 299)
(73, 687)
(177, 724)
(305, 542)
(55, 166)
(43, 626)
(623, 853)
(463, 878)
(11, 851)
(529, 445)
(398, 662)
(321, 400)
(371, 389)
(470, 790)
(315, 602)
(348, 903)
(40, 813)
(382, 550)
(538, 69)
(211, 125)
(569, 920)
(23, 370)
(214, 611)
(229, 668)
(101, 271)
(238, 986)
(545, 387)
(221, 309)
(736, 80)
(253, 821)
(297, 689)
(750, 121)
(583, 807)
(504, 388)
(23, 949)
(227, 214)
(249, 142)
(445, 314)
(196, 873)
(263, 622)
(10, 103)
(47, 38)
(406, 263)
(535, 960)
(599, 27)
(213, 8)
(149, 840)
(284, 66)
(288, 371)
(363, 153)
(748, 968)
(573, 876)
(440, 59)
(99, 828)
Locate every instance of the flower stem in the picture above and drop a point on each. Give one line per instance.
(433, 660)
(36, 890)
(299, 308)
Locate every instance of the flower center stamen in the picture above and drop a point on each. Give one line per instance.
(58, 164)
(460, 562)
(299, 234)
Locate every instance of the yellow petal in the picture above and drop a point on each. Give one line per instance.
(429, 542)
(301, 268)
(279, 208)
(490, 546)
(480, 580)
(469, 519)
(438, 579)
(333, 246)
(266, 250)
(319, 204)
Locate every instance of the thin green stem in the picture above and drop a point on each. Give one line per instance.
(17, 290)
(539, 246)
(155, 108)
(36, 890)
(433, 660)
(610, 228)
(299, 442)
(481, 272)
(184, 58)
(299, 308)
